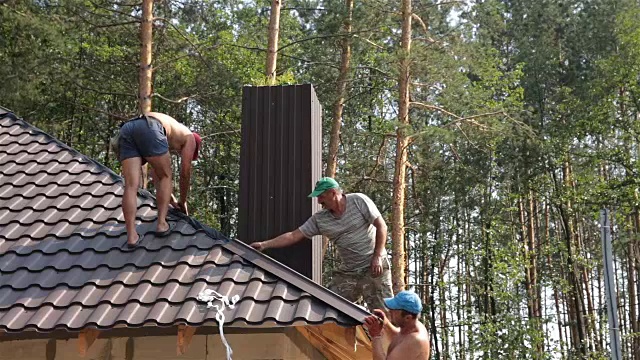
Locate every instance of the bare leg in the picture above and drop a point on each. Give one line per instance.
(131, 173)
(162, 170)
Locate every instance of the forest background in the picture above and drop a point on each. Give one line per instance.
(490, 133)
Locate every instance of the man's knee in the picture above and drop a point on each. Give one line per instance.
(162, 172)
(161, 165)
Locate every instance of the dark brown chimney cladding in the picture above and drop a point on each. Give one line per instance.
(280, 161)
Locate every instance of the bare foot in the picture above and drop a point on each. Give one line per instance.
(132, 239)
(162, 227)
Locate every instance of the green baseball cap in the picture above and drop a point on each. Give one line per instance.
(323, 185)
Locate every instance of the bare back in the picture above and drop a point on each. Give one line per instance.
(412, 346)
(177, 134)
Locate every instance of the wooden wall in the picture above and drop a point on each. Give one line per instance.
(260, 346)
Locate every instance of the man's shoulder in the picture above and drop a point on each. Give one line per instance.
(357, 196)
(321, 213)
(363, 202)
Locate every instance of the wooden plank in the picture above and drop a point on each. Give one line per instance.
(253, 346)
(362, 340)
(86, 339)
(337, 342)
(23, 350)
(350, 337)
(101, 349)
(330, 348)
(185, 334)
(50, 350)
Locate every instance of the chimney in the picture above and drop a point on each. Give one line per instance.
(280, 161)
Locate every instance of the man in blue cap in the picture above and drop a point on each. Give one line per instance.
(354, 224)
(409, 338)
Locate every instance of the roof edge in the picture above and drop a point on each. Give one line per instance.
(294, 278)
(4, 110)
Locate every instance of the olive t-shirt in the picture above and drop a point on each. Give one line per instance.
(352, 233)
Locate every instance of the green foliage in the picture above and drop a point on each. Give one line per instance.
(515, 104)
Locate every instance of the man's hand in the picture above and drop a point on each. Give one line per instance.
(375, 323)
(173, 202)
(258, 246)
(376, 265)
(182, 206)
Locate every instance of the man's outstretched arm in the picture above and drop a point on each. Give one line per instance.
(284, 240)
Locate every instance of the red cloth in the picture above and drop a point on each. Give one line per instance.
(198, 139)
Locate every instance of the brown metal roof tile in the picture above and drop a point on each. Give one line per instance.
(63, 263)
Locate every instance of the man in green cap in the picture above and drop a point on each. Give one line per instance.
(354, 224)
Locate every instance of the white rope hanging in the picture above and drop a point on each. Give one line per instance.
(209, 296)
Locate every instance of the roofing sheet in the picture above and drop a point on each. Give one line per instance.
(63, 263)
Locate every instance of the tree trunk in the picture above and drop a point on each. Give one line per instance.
(341, 91)
(272, 45)
(632, 283)
(575, 292)
(533, 260)
(146, 71)
(402, 142)
(434, 328)
(525, 254)
(338, 106)
(443, 311)
(590, 319)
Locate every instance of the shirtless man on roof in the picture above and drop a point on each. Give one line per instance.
(150, 138)
(409, 338)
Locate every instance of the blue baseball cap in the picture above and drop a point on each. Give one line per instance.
(405, 300)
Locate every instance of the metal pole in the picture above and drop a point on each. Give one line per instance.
(609, 285)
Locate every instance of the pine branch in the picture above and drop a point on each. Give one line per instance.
(434, 107)
(179, 101)
(179, 32)
(418, 19)
(445, 3)
(110, 9)
(339, 35)
(369, 41)
(94, 26)
(222, 133)
(117, 3)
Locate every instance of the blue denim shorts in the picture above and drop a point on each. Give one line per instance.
(142, 138)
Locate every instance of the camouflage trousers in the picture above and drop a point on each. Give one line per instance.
(359, 286)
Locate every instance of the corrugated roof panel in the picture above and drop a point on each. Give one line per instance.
(63, 263)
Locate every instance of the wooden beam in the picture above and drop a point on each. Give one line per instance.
(185, 334)
(350, 337)
(50, 351)
(85, 339)
(362, 339)
(329, 348)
